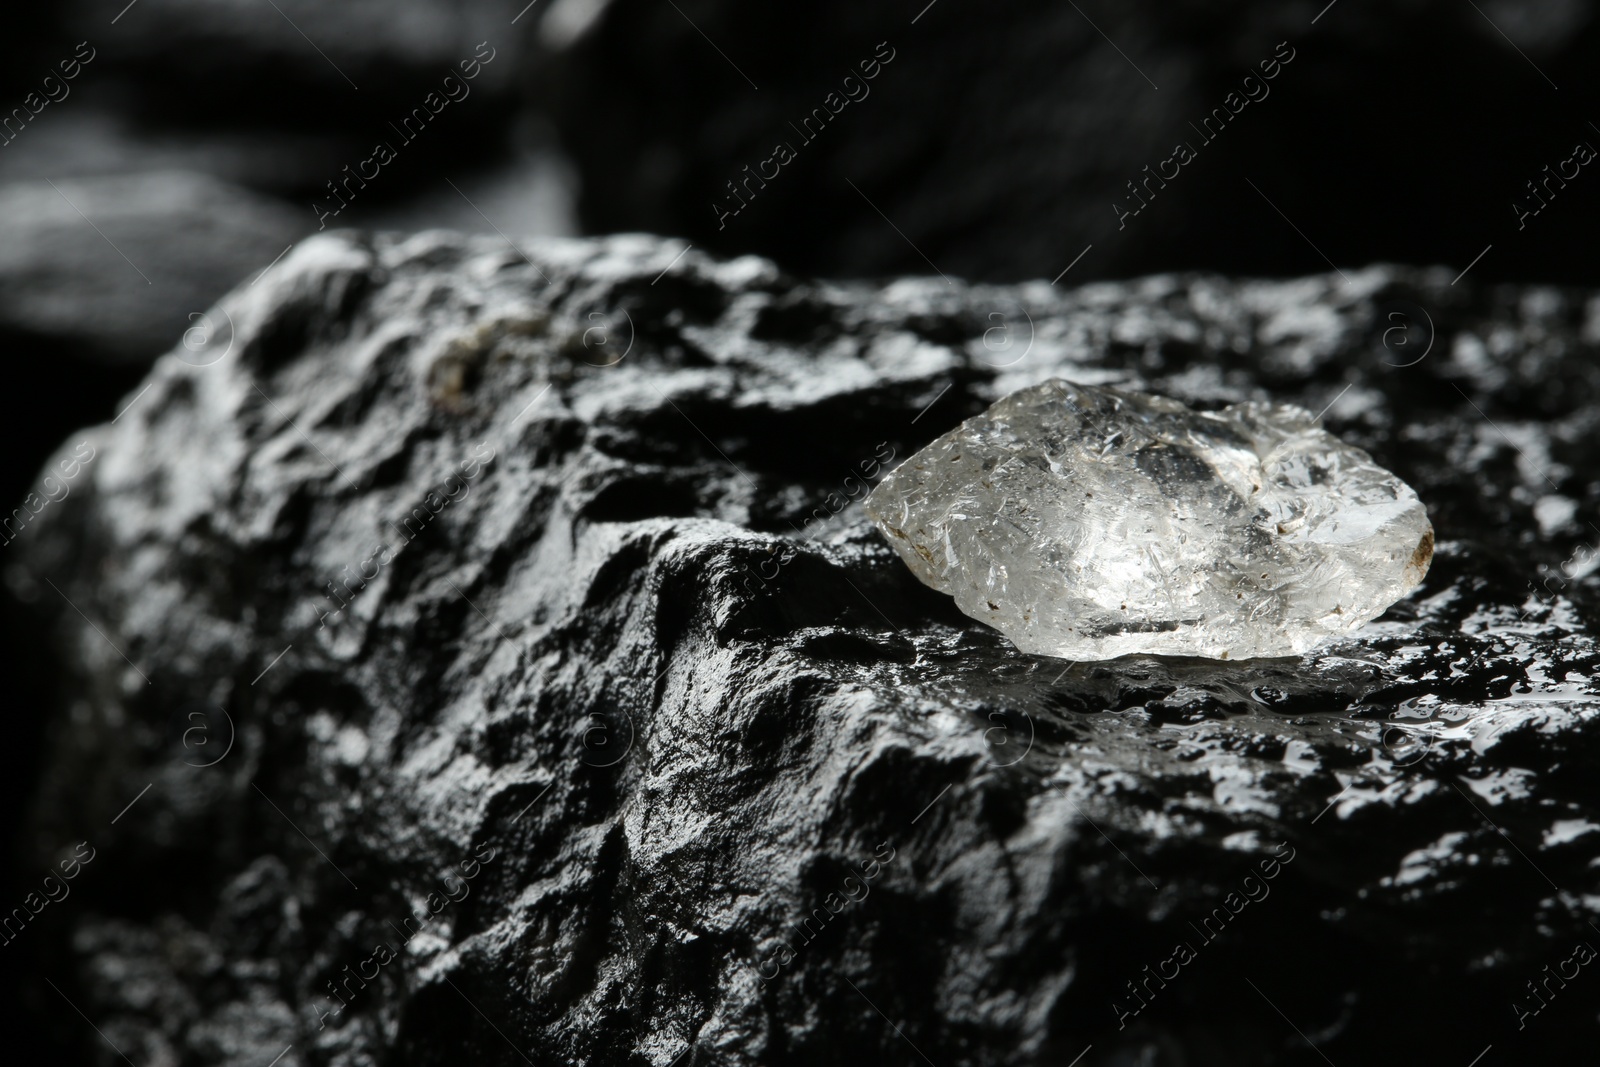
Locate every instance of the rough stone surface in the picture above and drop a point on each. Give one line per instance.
(749, 787)
(228, 90)
(1090, 523)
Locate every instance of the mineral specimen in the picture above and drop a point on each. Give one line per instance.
(1090, 523)
(588, 595)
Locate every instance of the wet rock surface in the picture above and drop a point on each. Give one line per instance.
(534, 633)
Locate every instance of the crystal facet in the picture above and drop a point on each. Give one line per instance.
(1090, 523)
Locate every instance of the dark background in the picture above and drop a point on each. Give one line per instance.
(991, 147)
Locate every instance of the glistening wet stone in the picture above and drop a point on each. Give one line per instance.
(596, 663)
(1092, 523)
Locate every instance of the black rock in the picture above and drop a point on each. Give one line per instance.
(269, 115)
(542, 585)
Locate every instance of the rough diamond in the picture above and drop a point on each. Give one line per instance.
(1090, 523)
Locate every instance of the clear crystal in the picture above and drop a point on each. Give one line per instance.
(1090, 523)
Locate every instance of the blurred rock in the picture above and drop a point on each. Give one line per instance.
(92, 141)
(531, 194)
(542, 586)
(297, 97)
(997, 142)
(117, 268)
(380, 47)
